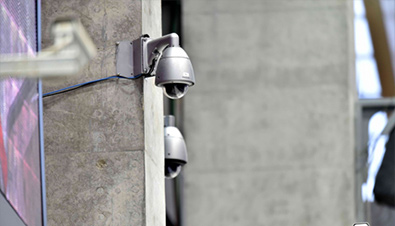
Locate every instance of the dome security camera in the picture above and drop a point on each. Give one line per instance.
(174, 72)
(175, 149)
(163, 58)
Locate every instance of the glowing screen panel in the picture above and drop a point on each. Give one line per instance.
(20, 178)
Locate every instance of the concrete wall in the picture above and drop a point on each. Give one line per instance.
(269, 124)
(104, 143)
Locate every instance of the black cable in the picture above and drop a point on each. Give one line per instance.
(74, 87)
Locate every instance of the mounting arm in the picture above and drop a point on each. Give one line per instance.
(159, 44)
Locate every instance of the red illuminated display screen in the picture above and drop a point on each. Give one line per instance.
(20, 177)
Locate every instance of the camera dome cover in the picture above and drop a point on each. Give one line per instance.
(174, 67)
(175, 148)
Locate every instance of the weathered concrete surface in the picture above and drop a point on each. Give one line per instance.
(155, 208)
(104, 143)
(105, 188)
(269, 125)
(88, 118)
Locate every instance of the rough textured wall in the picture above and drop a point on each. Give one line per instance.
(269, 125)
(96, 138)
(154, 147)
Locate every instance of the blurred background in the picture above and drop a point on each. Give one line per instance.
(280, 129)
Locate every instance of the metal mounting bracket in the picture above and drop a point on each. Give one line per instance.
(124, 58)
(136, 57)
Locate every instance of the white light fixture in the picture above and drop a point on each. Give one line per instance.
(72, 49)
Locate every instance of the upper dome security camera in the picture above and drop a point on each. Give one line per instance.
(162, 57)
(174, 72)
(175, 149)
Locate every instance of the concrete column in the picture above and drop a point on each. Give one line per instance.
(269, 125)
(104, 143)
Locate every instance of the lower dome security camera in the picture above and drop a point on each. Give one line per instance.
(175, 149)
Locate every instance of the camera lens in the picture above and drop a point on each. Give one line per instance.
(175, 90)
(172, 170)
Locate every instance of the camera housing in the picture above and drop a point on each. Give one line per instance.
(174, 72)
(175, 149)
(163, 58)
